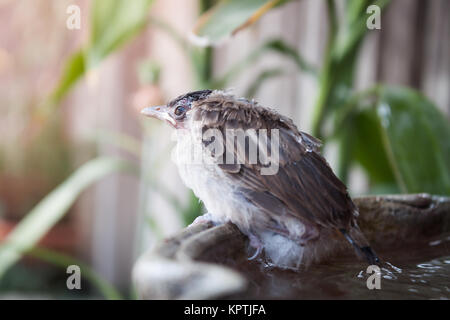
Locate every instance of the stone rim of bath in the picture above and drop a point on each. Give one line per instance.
(185, 266)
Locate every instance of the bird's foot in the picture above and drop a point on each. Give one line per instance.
(206, 218)
(256, 243)
(311, 233)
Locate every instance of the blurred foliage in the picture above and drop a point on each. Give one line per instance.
(400, 138)
(262, 77)
(277, 46)
(33, 166)
(75, 67)
(63, 260)
(123, 141)
(42, 280)
(49, 140)
(113, 23)
(337, 74)
(416, 139)
(149, 72)
(227, 17)
(53, 207)
(362, 130)
(193, 210)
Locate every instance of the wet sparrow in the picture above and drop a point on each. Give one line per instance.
(260, 172)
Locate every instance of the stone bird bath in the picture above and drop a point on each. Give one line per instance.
(210, 262)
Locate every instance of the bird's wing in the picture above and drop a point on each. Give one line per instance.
(304, 186)
(307, 187)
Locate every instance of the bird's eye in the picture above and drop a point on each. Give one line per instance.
(179, 111)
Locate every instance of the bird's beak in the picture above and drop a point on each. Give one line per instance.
(159, 112)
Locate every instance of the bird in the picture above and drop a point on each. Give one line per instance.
(295, 212)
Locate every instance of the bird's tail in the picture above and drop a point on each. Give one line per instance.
(357, 239)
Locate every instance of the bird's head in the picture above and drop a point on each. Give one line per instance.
(177, 112)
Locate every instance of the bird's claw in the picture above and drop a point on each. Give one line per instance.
(255, 243)
(206, 218)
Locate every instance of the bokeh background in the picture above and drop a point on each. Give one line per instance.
(85, 180)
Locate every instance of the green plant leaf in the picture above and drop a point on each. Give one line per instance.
(274, 45)
(75, 67)
(230, 16)
(53, 207)
(193, 209)
(416, 137)
(114, 22)
(281, 47)
(399, 137)
(369, 150)
(355, 25)
(361, 141)
(261, 78)
(337, 75)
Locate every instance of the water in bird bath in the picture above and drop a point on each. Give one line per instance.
(413, 272)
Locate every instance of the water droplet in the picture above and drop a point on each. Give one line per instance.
(435, 243)
(428, 266)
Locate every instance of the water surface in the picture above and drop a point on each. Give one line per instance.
(420, 271)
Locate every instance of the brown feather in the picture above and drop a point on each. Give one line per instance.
(305, 187)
